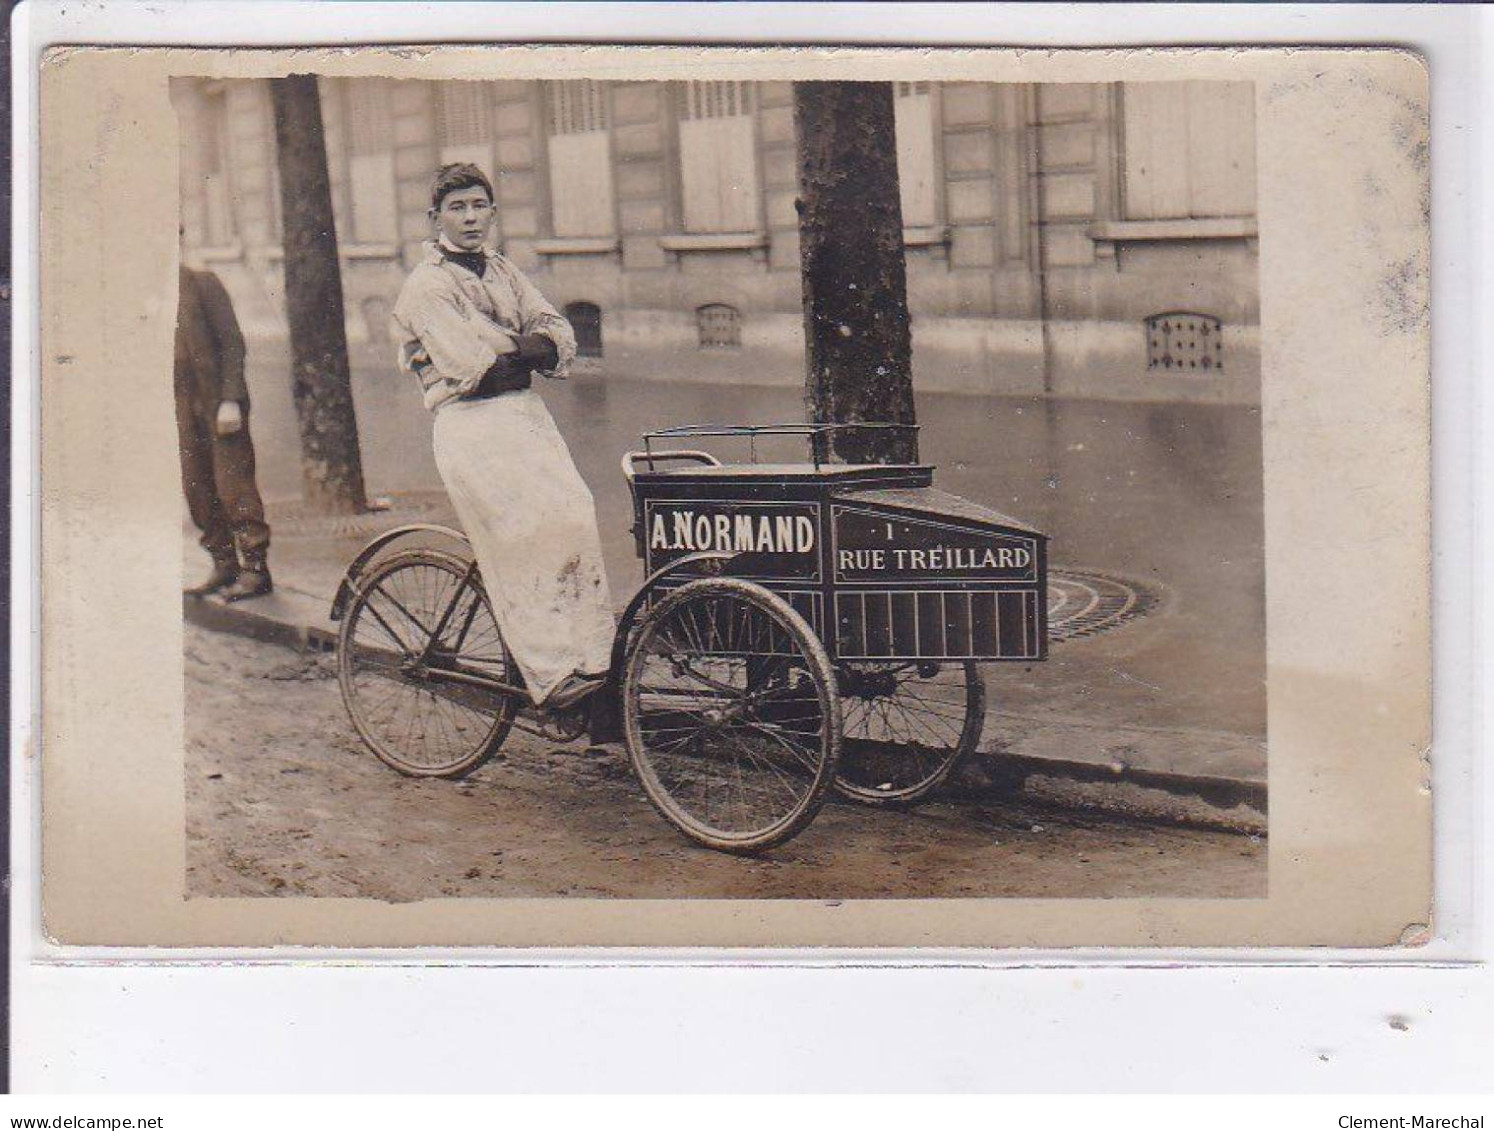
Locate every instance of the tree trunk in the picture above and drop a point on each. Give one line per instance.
(331, 467)
(856, 332)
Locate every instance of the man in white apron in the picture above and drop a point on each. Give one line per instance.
(473, 329)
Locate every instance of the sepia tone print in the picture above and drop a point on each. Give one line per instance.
(1078, 267)
(821, 499)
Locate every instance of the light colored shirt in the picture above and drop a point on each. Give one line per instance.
(451, 326)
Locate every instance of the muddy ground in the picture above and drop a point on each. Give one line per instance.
(283, 799)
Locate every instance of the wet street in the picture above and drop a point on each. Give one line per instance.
(1167, 497)
(1162, 501)
(282, 799)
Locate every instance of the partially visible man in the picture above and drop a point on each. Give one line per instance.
(212, 419)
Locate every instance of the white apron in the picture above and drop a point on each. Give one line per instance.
(532, 524)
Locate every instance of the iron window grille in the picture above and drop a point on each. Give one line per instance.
(1184, 340)
(719, 327)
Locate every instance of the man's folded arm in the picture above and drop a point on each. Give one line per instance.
(538, 319)
(457, 350)
(538, 351)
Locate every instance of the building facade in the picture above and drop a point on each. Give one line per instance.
(1089, 240)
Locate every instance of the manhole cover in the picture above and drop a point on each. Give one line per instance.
(1082, 603)
(292, 519)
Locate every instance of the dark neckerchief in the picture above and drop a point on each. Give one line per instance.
(474, 261)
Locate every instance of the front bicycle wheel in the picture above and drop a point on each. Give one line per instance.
(730, 714)
(391, 673)
(907, 726)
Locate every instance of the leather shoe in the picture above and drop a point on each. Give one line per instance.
(224, 574)
(571, 690)
(249, 583)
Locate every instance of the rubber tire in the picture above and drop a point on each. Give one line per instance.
(820, 669)
(975, 720)
(503, 721)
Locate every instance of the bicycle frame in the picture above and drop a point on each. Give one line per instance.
(472, 578)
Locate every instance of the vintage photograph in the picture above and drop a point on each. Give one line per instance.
(669, 497)
(721, 489)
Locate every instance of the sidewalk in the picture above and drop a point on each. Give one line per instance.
(1105, 756)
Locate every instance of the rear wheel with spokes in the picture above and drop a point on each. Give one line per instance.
(907, 726)
(730, 714)
(394, 675)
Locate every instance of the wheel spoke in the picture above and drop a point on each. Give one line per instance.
(725, 695)
(407, 714)
(905, 731)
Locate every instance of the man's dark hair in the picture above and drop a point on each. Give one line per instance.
(454, 178)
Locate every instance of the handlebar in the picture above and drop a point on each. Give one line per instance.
(751, 432)
(793, 428)
(631, 459)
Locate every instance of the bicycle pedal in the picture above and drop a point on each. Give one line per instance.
(560, 726)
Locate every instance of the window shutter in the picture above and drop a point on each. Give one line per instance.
(913, 109)
(464, 125)
(1156, 140)
(1221, 145)
(580, 153)
(1189, 150)
(218, 195)
(371, 162)
(718, 158)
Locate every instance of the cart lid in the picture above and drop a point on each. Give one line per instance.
(792, 472)
(930, 502)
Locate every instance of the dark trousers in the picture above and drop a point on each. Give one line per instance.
(218, 478)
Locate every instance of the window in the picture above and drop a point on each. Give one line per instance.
(1189, 150)
(718, 158)
(1182, 340)
(913, 108)
(464, 133)
(580, 153)
(219, 228)
(719, 327)
(586, 320)
(272, 162)
(370, 147)
(376, 310)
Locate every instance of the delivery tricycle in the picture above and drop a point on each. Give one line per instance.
(801, 627)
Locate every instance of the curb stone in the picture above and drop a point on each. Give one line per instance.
(294, 619)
